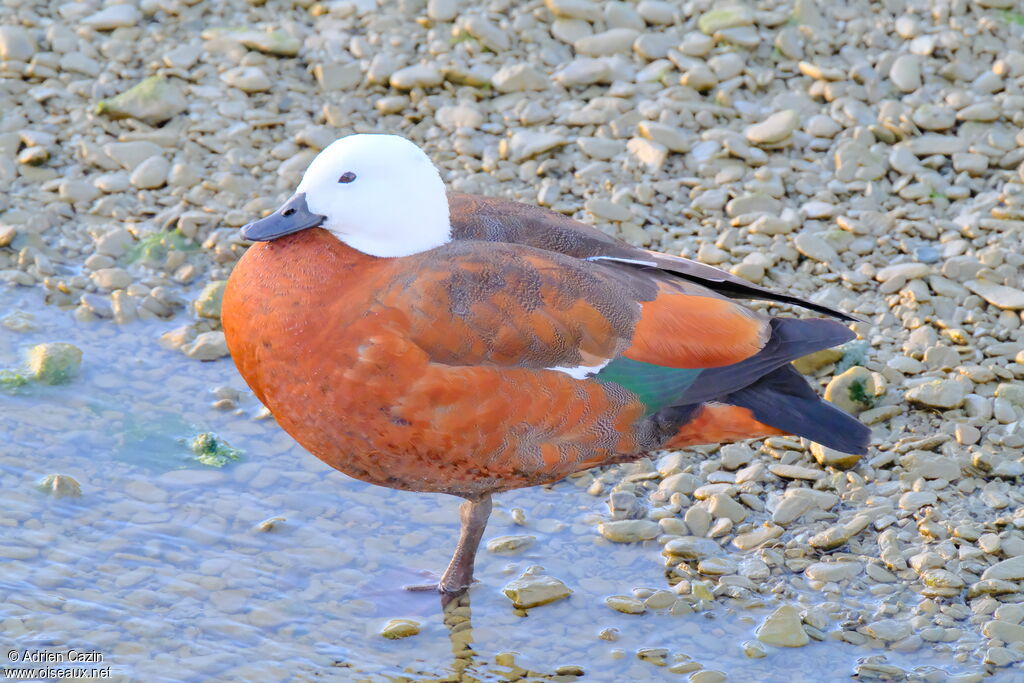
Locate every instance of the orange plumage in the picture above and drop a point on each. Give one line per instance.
(524, 348)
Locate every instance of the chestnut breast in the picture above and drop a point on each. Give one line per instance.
(337, 369)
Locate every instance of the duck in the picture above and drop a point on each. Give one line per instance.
(434, 341)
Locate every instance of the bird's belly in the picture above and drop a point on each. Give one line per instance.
(398, 420)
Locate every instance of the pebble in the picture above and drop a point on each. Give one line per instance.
(725, 17)
(888, 629)
(906, 73)
(783, 628)
(534, 590)
(151, 173)
(833, 571)
(1011, 569)
(249, 79)
(717, 566)
(112, 278)
(207, 346)
(1000, 296)
(625, 604)
(114, 16)
(943, 394)
(583, 71)
(692, 548)
(853, 391)
(525, 145)
(208, 303)
(60, 486)
(489, 35)
(155, 100)
(603, 208)
(130, 154)
(400, 628)
(774, 129)
(672, 138)
(606, 43)
(629, 530)
(813, 246)
(829, 457)
(417, 76)
(54, 362)
(650, 153)
(519, 78)
(16, 44)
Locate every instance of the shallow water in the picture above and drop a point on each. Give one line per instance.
(160, 567)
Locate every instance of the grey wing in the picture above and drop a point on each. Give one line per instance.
(491, 219)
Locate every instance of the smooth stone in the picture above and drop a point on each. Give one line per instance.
(943, 394)
(400, 628)
(208, 303)
(717, 566)
(692, 548)
(16, 44)
(1000, 296)
(888, 629)
(575, 9)
(815, 247)
(489, 34)
(625, 604)
(525, 145)
(510, 544)
(607, 209)
(829, 457)
(583, 71)
(114, 16)
(725, 17)
(833, 571)
(60, 486)
(518, 78)
(54, 363)
(338, 75)
(783, 628)
(130, 154)
(1011, 569)
(674, 139)
(151, 173)
(853, 391)
(534, 590)
(1004, 631)
(774, 129)
(248, 79)
(155, 100)
(629, 530)
(650, 153)
(111, 278)
(416, 76)
(207, 346)
(905, 73)
(606, 43)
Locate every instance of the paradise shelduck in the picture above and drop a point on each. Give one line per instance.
(442, 342)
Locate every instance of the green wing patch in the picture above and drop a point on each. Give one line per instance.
(657, 386)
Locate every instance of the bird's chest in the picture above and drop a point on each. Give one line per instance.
(307, 334)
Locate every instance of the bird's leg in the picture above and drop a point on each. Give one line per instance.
(459, 574)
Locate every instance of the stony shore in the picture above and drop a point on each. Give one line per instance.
(868, 155)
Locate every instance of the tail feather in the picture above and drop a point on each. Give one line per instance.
(784, 400)
(791, 338)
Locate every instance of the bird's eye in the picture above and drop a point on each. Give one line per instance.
(347, 177)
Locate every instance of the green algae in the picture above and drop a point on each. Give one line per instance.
(213, 451)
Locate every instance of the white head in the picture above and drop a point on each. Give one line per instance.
(379, 194)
